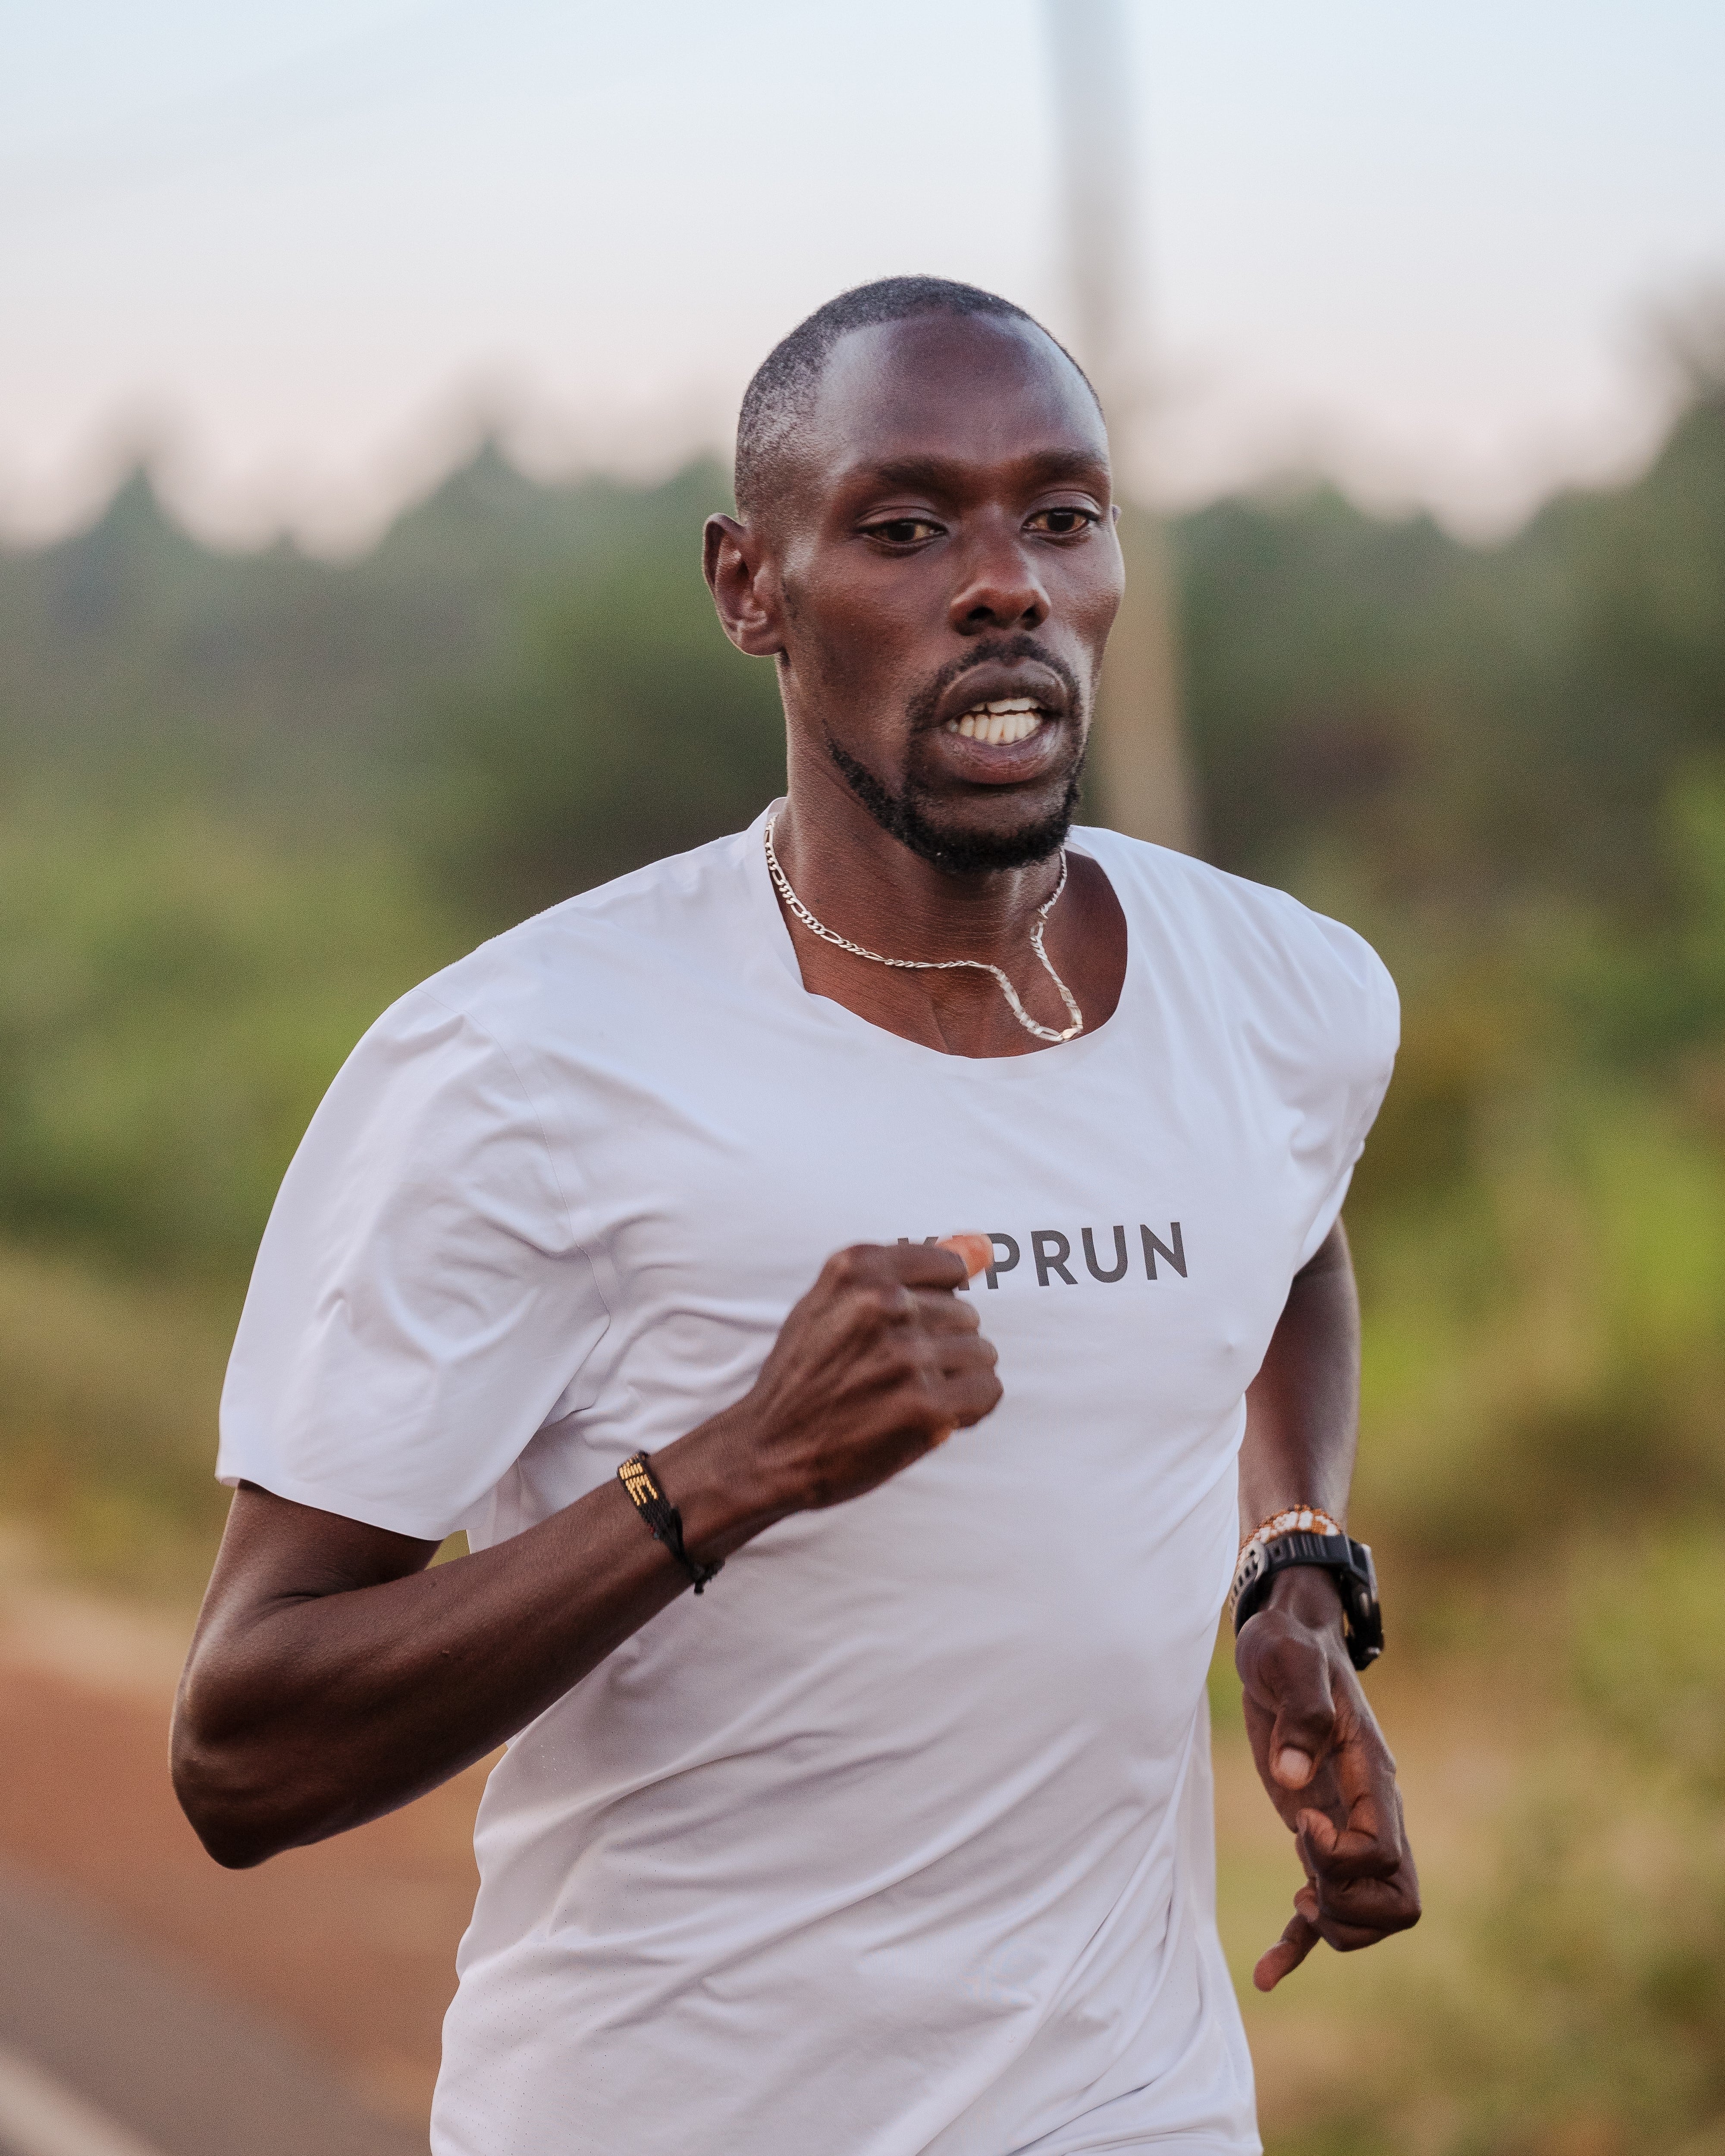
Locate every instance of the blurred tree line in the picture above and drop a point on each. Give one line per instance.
(244, 800)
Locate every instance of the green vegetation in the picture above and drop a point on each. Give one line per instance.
(244, 801)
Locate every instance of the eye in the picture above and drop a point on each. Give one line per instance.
(905, 531)
(1064, 522)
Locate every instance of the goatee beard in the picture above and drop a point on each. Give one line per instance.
(903, 816)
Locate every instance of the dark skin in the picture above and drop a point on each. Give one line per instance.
(1316, 1744)
(944, 537)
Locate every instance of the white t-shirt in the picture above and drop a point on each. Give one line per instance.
(896, 1842)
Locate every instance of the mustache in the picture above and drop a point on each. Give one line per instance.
(994, 650)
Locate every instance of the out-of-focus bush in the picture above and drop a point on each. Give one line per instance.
(627, 728)
(175, 993)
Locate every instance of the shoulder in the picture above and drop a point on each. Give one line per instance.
(476, 1043)
(1270, 962)
(597, 957)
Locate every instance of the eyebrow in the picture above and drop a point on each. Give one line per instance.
(947, 474)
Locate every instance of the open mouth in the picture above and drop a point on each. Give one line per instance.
(1007, 719)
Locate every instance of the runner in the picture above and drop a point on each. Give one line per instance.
(847, 1618)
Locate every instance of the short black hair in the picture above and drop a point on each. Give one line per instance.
(783, 389)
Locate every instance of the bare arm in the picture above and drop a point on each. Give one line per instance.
(333, 1676)
(1318, 1748)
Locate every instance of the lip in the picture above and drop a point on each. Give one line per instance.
(997, 763)
(993, 682)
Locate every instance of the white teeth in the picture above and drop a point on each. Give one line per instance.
(1013, 719)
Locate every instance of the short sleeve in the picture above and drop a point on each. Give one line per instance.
(419, 1306)
(1353, 1064)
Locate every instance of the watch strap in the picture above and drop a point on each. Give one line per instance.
(1347, 1562)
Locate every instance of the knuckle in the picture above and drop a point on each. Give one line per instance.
(903, 1364)
(862, 1263)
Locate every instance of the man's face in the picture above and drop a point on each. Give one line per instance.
(948, 572)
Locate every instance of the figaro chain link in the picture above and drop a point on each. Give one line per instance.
(782, 883)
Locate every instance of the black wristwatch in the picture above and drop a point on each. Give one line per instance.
(1347, 1562)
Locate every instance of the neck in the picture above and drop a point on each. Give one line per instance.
(870, 886)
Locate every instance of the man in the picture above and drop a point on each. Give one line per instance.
(893, 1836)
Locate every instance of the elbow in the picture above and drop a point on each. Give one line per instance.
(233, 1804)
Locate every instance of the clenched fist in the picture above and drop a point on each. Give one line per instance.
(878, 1363)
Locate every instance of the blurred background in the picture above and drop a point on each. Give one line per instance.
(367, 371)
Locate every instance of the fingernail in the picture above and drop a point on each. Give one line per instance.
(1292, 1767)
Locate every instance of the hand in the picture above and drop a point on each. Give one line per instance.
(878, 1363)
(1322, 1756)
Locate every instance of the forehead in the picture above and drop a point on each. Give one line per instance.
(977, 391)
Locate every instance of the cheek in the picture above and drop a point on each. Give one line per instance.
(855, 644)
(1092, 596)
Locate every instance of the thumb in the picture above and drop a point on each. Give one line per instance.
(977, 1252)
(1305, 1727)
(1296, 1943)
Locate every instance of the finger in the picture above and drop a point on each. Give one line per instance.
(1285, 1956)
(1360, 1849)
(977, 1252)
(963, 1354)
(1364, 1905)
(1304, 1732)
(926, 1264)
(968, 1395)
(1287, 1680)
(942, 1312)
(893, 1265)
(1369, 1910)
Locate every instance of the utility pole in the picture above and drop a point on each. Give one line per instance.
(1138, 768)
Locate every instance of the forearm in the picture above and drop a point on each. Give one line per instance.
(333, 1677)
(303, 1713)
(1302, 1408)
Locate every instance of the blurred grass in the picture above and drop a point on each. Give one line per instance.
(175, 993)
(108, 1393)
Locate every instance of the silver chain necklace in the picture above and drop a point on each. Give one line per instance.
(783, 884)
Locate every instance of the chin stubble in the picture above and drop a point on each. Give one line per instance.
(904, 816)
(907, 814)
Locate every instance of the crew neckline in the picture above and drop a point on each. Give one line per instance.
(828, 1010)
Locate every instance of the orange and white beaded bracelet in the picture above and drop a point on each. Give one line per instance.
(1291, 1520)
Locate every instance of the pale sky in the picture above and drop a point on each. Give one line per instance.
(304, 249)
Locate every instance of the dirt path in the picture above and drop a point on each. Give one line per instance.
(349, 1946)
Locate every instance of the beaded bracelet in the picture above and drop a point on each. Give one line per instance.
(662, 1517)
(1292, 1520)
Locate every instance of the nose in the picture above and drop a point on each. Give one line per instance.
(999, 587)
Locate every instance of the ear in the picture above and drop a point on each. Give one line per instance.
(744, 582)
